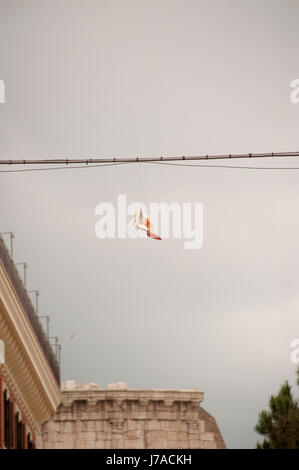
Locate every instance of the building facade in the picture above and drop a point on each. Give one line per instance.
(119, 418)
(29, 373)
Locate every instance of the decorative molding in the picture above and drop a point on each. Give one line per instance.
(117, 425)
(21, 405)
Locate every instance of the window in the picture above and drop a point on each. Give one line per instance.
(8, 422)
(30, 443)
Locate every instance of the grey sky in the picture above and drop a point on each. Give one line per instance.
(131, 78)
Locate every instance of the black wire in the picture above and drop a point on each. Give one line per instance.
(64, 167)
(153, 163)
(226, 166)
(90, 161)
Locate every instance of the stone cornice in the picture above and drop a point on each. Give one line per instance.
(135, 394)
(24, 356)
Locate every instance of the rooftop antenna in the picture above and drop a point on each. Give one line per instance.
(48, 321)
(57, 348)
(36, 292)
(25, 268)
(59, 353)
(12, 235)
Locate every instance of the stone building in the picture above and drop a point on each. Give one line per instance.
(36, 412)
(29, 373)
(120, 418)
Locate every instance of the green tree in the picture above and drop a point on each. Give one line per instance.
(280, 425)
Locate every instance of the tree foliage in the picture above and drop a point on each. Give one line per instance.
(280, 424)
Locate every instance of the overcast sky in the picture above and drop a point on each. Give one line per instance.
(139, 78)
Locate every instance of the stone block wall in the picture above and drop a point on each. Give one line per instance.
(90, 418)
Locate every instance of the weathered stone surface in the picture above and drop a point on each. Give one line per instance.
(120, 418)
